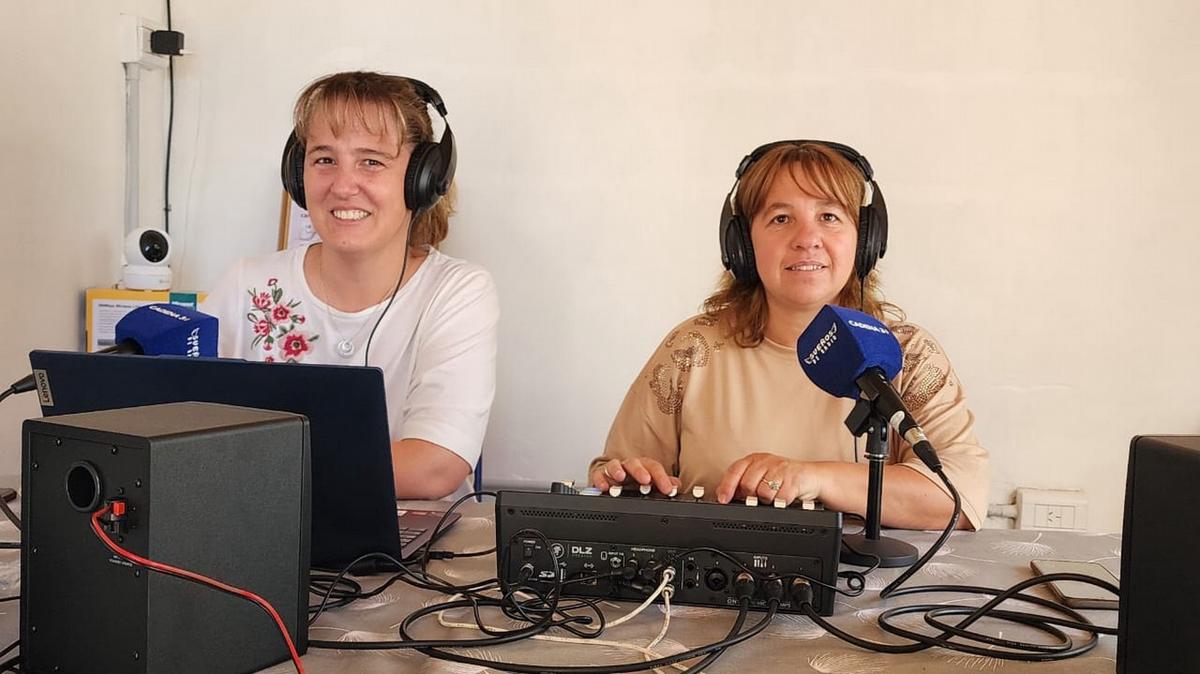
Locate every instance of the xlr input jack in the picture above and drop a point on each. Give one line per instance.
(716, 580)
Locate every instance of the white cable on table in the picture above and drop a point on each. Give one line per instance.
(664, 588)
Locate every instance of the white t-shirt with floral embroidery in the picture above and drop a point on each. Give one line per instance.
(436, 344)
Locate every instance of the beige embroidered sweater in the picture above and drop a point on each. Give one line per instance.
(702, 402)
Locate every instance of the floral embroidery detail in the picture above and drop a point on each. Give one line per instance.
(669, 393)
(667, 380)
(275, 321)
(294, 344)
(924, 378)
(695, 354)
(927, 380)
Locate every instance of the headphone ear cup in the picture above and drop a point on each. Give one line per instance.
(737, 250)
(418, 178)
(291, 169)
(879, 223)
(749, 269)
(863, 262)
(872, 233)
(425, 181)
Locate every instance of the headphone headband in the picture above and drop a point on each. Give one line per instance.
(860, 162)
(427, 94)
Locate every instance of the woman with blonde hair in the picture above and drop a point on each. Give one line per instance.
(723, 403)
(375, 290)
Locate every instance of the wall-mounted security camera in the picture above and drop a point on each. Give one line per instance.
(147, 253)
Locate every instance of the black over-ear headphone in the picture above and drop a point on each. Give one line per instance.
(426, 178)
(737, 251)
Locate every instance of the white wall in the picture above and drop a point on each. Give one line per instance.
(1038, 160)
(62, 143)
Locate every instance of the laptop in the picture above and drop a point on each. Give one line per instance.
(1159, 586)
(354, 508)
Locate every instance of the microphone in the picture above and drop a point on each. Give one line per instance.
(166, 330)
(849, 354)
(155, 330)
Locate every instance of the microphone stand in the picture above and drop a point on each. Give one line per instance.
(864, 548)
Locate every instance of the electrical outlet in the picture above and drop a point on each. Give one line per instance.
(134, 41)
(1052, 509)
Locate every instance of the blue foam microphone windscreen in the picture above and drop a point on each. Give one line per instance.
(851, 355)
(169, 329)
(840, 344)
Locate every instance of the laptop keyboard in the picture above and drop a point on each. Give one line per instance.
(416, 526)
(409, 534)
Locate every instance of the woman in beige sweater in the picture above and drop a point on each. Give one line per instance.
(723, 402)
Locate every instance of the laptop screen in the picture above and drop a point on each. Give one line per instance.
(353, 495)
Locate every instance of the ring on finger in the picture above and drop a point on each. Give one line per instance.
(773, 485)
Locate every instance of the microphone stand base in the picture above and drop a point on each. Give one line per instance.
(859, 550)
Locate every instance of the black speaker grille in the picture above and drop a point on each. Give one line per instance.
(568, 515)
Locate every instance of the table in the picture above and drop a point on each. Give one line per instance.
(992, 557)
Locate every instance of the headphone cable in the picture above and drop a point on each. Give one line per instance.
(400, 281)
(170, 132)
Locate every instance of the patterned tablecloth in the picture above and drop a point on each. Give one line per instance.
(996, 558)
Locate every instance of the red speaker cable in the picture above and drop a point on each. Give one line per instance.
(195, 578)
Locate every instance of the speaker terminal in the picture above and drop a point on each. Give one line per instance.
(115, 521)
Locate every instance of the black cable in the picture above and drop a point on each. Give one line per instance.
(937, 545)
(400, 281)
(449, 554)
(713, 651)
(606, 669)
(10, 665)
(1028, 651)
(26, 383)
(507, 637)
(170, 132)
(15, 597)
(428, 547)
(426, 551)
(10, 545)
(344, 597)
(953, 636)
(327, 586)
(1021, 650)
(540, 612)
(439, 585)
(12, 516)
(323, 584)
(743, 612)
(517, 611)
(531, 610)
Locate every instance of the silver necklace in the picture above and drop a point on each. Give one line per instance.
(345, 346)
